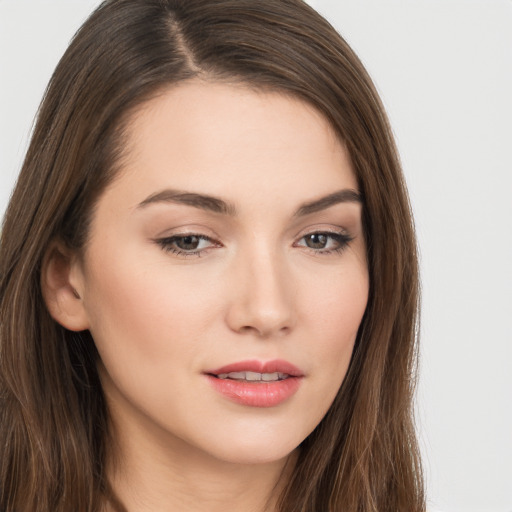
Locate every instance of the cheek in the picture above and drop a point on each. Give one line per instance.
(334, 320)
(338, 302)
(143, 311)
(149, 327)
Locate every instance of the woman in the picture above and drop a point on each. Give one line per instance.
(208, 276)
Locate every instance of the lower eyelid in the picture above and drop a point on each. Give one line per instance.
(341, 243)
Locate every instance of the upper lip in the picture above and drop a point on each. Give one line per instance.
(274, 366)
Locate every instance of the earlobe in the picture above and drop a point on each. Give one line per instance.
(60, 278)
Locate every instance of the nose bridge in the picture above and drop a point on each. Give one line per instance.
(264, 302)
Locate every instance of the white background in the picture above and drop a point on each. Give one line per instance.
(444, 69)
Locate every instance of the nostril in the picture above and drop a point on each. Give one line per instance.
(263, 331)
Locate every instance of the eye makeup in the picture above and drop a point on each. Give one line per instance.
(197, 244)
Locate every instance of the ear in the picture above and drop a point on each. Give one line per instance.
(61, 284)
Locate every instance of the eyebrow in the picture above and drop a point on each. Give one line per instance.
(341, 196)
(217, 205)
(201, 201)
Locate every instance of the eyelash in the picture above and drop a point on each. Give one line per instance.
(341, 239)
(168, 244)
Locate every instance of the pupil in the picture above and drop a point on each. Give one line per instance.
(188, 243)
(316, 241)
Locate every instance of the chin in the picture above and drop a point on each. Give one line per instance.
(254, 454)
(247, 448)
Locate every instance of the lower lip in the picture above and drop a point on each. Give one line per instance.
(256, 394)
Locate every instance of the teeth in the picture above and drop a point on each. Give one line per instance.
(253, 376)
(235, 375)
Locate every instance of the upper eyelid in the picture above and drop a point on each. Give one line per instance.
(187, 230)
(185, 235)
(338, 230)
(301, 234)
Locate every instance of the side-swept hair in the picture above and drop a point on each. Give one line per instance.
(363, 456)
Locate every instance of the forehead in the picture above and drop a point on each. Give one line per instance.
(219, 139)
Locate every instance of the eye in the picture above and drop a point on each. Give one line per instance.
(325, 242)
(187, 244)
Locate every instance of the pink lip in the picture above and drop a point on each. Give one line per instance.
(277, 365)
(257, 394)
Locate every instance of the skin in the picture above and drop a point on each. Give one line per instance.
(256, 290)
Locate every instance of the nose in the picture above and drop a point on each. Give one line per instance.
(262, 299)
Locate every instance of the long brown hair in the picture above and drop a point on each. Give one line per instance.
(363, 455)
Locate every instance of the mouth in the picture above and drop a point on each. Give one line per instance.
(253, 370)
(253, 376)
(256, 383)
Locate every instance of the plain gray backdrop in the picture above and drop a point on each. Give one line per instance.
(444, 70)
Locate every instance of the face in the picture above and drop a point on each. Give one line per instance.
(225, 276)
